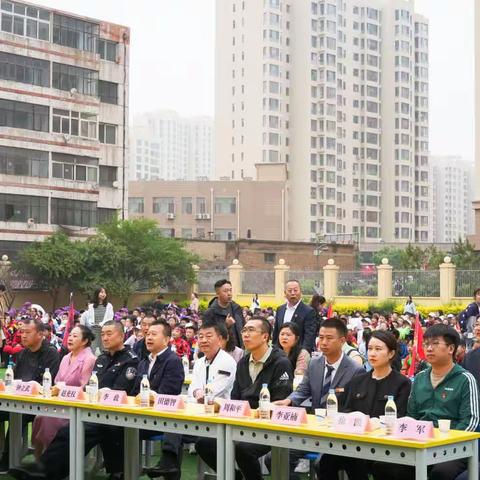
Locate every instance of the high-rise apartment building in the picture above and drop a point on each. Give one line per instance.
(452, 196)
(476, 238)
(63, 109)
(338, 91)
(166, 146)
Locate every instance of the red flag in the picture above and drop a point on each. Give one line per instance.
(330, 311)
(417, 350)
(69, 326)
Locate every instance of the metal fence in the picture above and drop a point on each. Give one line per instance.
(418, 283)
(310, 281)
(362, 284)
(258, 281)
(206, 279)
(466, 282)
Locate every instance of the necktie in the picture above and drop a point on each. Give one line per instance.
(326, 385)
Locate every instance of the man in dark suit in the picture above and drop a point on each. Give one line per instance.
(297, 312)
(333, 370)
(165, 373)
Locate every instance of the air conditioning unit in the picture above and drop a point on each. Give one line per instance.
(170, 216)
(206, 216)
(199, 216)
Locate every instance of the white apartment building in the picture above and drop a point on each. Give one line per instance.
(452, 184)
(166, 146)
(338, 91)
(63, 108)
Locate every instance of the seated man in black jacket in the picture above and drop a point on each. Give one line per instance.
(165, 374)
(116, 369)
(263, 364)
(37, 355)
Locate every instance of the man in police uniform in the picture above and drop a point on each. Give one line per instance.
(116, 369)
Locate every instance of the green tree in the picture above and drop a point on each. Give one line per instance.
(412, 258)
(54, 263)
(433, 257)
(464, 255)
(393, 254)
(132, 253)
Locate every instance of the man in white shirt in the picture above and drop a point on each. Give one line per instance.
(216, 368)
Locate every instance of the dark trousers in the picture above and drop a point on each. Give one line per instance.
(246, 455)
(56, 459)
(441, 471)
(172, 443)
(294, 457)
(5, 417)
(331, 465)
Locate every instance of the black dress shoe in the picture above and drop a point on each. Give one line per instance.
(168, 465)
(32, 472)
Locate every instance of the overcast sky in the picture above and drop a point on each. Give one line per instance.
(172, 60)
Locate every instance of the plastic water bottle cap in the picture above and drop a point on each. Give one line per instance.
(331, 391)
(145, 376)
(47, 370)
(390, 397)
(264, 385)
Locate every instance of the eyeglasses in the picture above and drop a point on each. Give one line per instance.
(433, 344)
(245, 330)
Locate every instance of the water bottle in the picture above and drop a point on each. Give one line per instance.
(332, 406)
(390, 415)
(9, 379)
(208, 400)
(264, 403)
(145, 392)
(174, 348)
(186, 365)
(47, 383)
(93, 388)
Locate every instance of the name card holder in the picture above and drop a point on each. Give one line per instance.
(26, 388)
(169, 403)
(354, 422)
(235, 408)
(113, 398)
(289, 415)
(412, 429)
(71, 394)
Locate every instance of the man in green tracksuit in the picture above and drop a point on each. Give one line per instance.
(444, 391)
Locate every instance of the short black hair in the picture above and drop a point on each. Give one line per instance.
(30, 321)
(476, 292)
(118, 325)
(219, 327)
(167, 329)
(192, 327)
(221, 283)
(449, 334)
(337, 324)
(388, 338)
(266, 327)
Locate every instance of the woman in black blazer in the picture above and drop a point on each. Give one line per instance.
(367, 393)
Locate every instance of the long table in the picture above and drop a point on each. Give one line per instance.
(311, 437)
(315, 437)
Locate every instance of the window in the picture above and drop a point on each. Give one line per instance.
(67, 77)
(108, 92)
(107, 133)
(135, 205)
(107, 50)
(187, 205)
(186, 233)
(24, 69)
(20, 161)
(225, 205)
(167, 232)
(269, 258)
(73, 212)
(74, 123)
(19, 208)
(224, 234)
(201, 205)
(104, 215)
(26, 21)
(23, 115)
(75, 33)
(163, 205)
(71, 167)
(107, 175)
